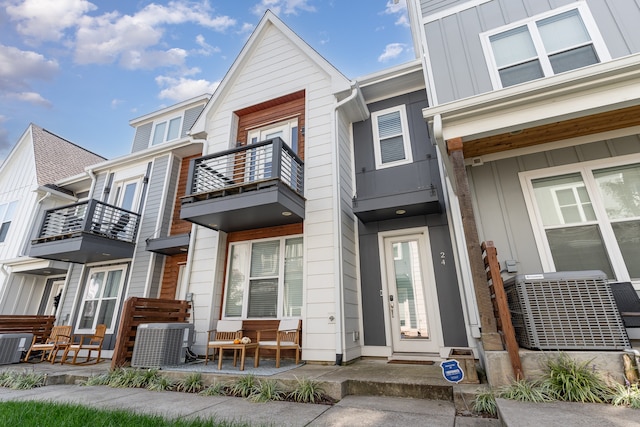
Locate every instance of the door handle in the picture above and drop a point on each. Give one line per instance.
(391, 305)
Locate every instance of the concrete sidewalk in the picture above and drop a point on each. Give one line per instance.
(350, 411)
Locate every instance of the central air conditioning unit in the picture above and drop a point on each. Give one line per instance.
(161, 344)
(570, 310)
(12, 346)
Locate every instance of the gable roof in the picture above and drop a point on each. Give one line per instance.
(340, 83)
(56, 158)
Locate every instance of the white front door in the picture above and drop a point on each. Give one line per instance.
(411, 294)
(56, 290)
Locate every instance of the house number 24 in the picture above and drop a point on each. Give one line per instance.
(443, 261)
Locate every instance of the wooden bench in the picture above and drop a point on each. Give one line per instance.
(39, 326)
(268, 328)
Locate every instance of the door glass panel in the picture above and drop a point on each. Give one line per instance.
(410, 299)
(128, 196)
(293, 278)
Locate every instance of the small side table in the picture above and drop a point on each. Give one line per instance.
(243, 352)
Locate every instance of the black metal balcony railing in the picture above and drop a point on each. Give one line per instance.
(92, 217)
(247, 167)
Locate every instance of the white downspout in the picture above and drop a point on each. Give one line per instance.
(92, 175)
(337, 218)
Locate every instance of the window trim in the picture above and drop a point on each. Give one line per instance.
(118, 298)
(247, 266)
(587, 19)
(585, 169)
(406, 137)
(166, 130)
(5, 219)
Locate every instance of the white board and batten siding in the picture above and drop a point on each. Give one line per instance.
(274, 67)
(456, 64)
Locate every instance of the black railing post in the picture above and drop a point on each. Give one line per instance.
(87, 224)
(276, 158)
(190, 176)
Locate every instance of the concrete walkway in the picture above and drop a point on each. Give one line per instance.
(371, 393)
(350, 411)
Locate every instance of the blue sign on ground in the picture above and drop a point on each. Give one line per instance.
(452, 371)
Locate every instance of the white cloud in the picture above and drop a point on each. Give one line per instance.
(127, 38)
(205, 48)
(287, 7)
(179, 89)
(246, 28)
(116, 102)
(400, 10)
(18, 67)
(45, 20)
(31, 98)
(391, 51)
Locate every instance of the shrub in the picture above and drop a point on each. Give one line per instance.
(192, 383)
(307, 391)
(215, 389)
(485, 402)
(267, 390)
(573, 381)
(525, 391)
(626, 395)
(244, 386)
(160, 383)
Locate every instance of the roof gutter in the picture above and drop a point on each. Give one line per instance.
(338, 250)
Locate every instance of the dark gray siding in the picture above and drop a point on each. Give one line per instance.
(142, 137)
(451, 315)
(457, 63)
(190, 117)
(371, 183)
(421, 174)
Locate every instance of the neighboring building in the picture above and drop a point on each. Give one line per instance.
(103, 235)
(535, 108)
(37, 161)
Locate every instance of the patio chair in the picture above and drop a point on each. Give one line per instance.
(226, 331)
(58, 338)
(628, 304)
(88, 343)
(287, 338)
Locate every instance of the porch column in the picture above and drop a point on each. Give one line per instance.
(490, 338)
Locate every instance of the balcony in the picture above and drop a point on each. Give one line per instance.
(255, 186)
(86, 232)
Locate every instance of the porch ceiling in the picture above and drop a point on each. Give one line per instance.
(581, 126)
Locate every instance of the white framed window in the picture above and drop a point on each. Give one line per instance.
(587, 217)
(287, 130)
(126, 194)
(101, 298)
(391, 142)
(166, 131)
(561, 40)
(7, 212)
(264, 279)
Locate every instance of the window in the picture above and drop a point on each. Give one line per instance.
(101, 298)
(391, 144)
(544, 46)
(126, 195)
(265, 279)
(590, 219)
(166, 131)
(7, 211)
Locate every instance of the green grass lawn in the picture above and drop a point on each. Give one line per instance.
(31, 414)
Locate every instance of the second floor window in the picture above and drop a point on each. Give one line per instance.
(391, 144)
(166, 131)
(544, 46)
(7, 211)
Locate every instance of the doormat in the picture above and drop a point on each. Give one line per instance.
(410, 362)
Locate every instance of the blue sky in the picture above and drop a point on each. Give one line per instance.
(82, 69)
